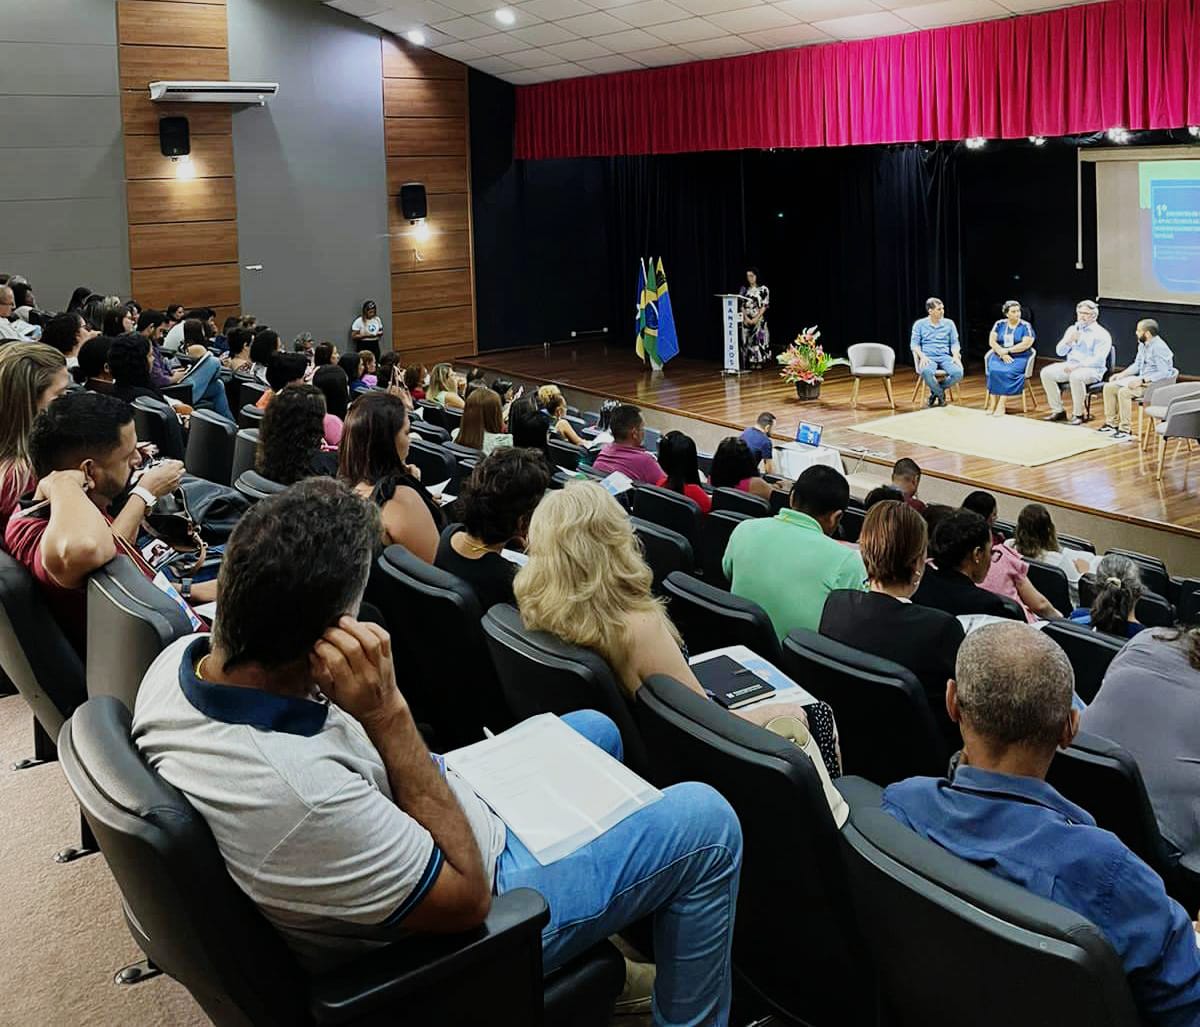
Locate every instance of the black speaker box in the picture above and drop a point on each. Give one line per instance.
(412, 201)
(174, 137)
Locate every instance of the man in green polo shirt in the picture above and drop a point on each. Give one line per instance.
(788, 564)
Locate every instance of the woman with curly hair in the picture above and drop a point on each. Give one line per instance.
(290, 437)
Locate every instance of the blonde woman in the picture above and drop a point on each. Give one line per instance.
(443, 387)
(32, 376)
(550, 399)
(587, 583)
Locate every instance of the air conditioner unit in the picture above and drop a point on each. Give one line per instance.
(213, 92)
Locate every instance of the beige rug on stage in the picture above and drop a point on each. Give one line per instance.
(1010, 439)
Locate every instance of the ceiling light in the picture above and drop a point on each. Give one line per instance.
(1194, 131)
(976, 143)
(185, 170)
(415, 36)
(506, 16)
(1038, 140)
(1117, 134)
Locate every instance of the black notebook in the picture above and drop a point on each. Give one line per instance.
(731, 684)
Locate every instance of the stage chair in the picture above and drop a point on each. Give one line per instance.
(941, 376)
(1089, 653)
(1146, 399)
(1182, 422)
(540, 673)
(237, 967)
(209, 452)
(669, 509)
(459, 697)
(1164, 396)
(254, 486)
(665, 551)
(735, 499)
(886, 728)
(1052, 582)
(913, 898)
(791, 860)
(711, 618)
(1027, 390)
(1097, 388)
(245, 450)
(715, 529)
(155, 421)
(872, 360)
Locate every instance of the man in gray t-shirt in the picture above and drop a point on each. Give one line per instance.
(288, 733)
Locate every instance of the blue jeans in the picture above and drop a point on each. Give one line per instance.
(941, 362)
(678, 859)
(208, 390)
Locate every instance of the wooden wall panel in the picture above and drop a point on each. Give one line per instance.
(140, 114)
(141, 65)
(168, 22)
(166, 245)
(426, 139)
(424, 98)
(430, 355)
(419, 137)
(209, 285)
(428, 290)
(183, 245)
(212, 157)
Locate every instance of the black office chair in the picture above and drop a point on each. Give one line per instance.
(1151, 610)
(541, 673)
(155, 421)
(250, 417)
(715, 529)
(669, 509)
(1153, 571)
(436, 463)
(250, 391)
(938, 928)
(432, 412)
(1005, 529)
(794, 895)
(434, 433)
(1188, 611)
(1095, 388)
(735, 499)
(43, 667)
(245, 450)
(1052, 582)
(564, 454)
(451, 418)
(711, 618)
(129, 622)
(460, 452)
(886, 728)
(237, 967)
(850, 526)
(1089, 652)
(446, 672)
(254, 486)
(1075, 542)
(1099, 776)
(666, 551)
(704, 462)
(210, 445)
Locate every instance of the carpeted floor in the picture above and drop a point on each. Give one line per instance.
(1009, 439)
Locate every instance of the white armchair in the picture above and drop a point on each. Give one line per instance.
(872, 360)
(1182, 422)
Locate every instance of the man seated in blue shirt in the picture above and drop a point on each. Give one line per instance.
(758, 438)
(1154, 363)
(1011, 698)
(935, 348)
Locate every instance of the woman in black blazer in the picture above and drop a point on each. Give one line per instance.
(884, 621)
(961, 548)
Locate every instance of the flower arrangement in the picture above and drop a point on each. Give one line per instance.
(805, 361)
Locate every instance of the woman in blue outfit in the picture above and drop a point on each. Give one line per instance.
(1011, 342)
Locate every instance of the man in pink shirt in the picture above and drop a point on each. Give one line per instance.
(625, 452)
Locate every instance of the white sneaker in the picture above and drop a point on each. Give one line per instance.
(1122, 436)
(1106, 429)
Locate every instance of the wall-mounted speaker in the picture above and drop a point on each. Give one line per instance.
(173, 137)
(412, 201)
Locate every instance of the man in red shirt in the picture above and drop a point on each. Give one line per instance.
(84, 450)
(906, 476)
(625, 452)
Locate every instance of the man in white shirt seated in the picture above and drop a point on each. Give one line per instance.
(1086, 345)
(288, 733)
(8, 331)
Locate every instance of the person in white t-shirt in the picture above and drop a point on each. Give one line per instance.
(367, 330)
(288, 731)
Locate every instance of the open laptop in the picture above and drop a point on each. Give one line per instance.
(809, 434)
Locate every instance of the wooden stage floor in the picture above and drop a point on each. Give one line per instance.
(1117, 482)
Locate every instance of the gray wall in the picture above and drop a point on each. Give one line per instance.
(62, 170)
(311, 173)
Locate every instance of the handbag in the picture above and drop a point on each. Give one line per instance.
(193, 516)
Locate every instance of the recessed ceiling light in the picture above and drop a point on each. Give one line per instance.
(1118, 134)
(506, 16)
(1038, 140)
(415, 36)
(1194, 131)
(976, 142)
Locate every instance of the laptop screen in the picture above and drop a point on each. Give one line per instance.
(809, 434)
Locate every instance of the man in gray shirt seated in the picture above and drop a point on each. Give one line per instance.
(288, 733)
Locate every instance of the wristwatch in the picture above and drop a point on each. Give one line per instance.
(145, 495)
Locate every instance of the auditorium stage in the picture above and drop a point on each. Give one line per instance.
(1116, 483)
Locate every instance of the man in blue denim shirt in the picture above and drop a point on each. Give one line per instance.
(1011, 698)
(1154, 363)
(935, 347)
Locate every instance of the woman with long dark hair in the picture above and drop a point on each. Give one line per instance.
(756, 337)
(734, 466)
(354, 366)
(677, 456)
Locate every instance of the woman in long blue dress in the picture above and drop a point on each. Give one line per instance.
(1011, 342)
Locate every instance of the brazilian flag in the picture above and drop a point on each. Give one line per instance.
(647, 316)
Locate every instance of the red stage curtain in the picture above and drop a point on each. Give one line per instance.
(1134, 63)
